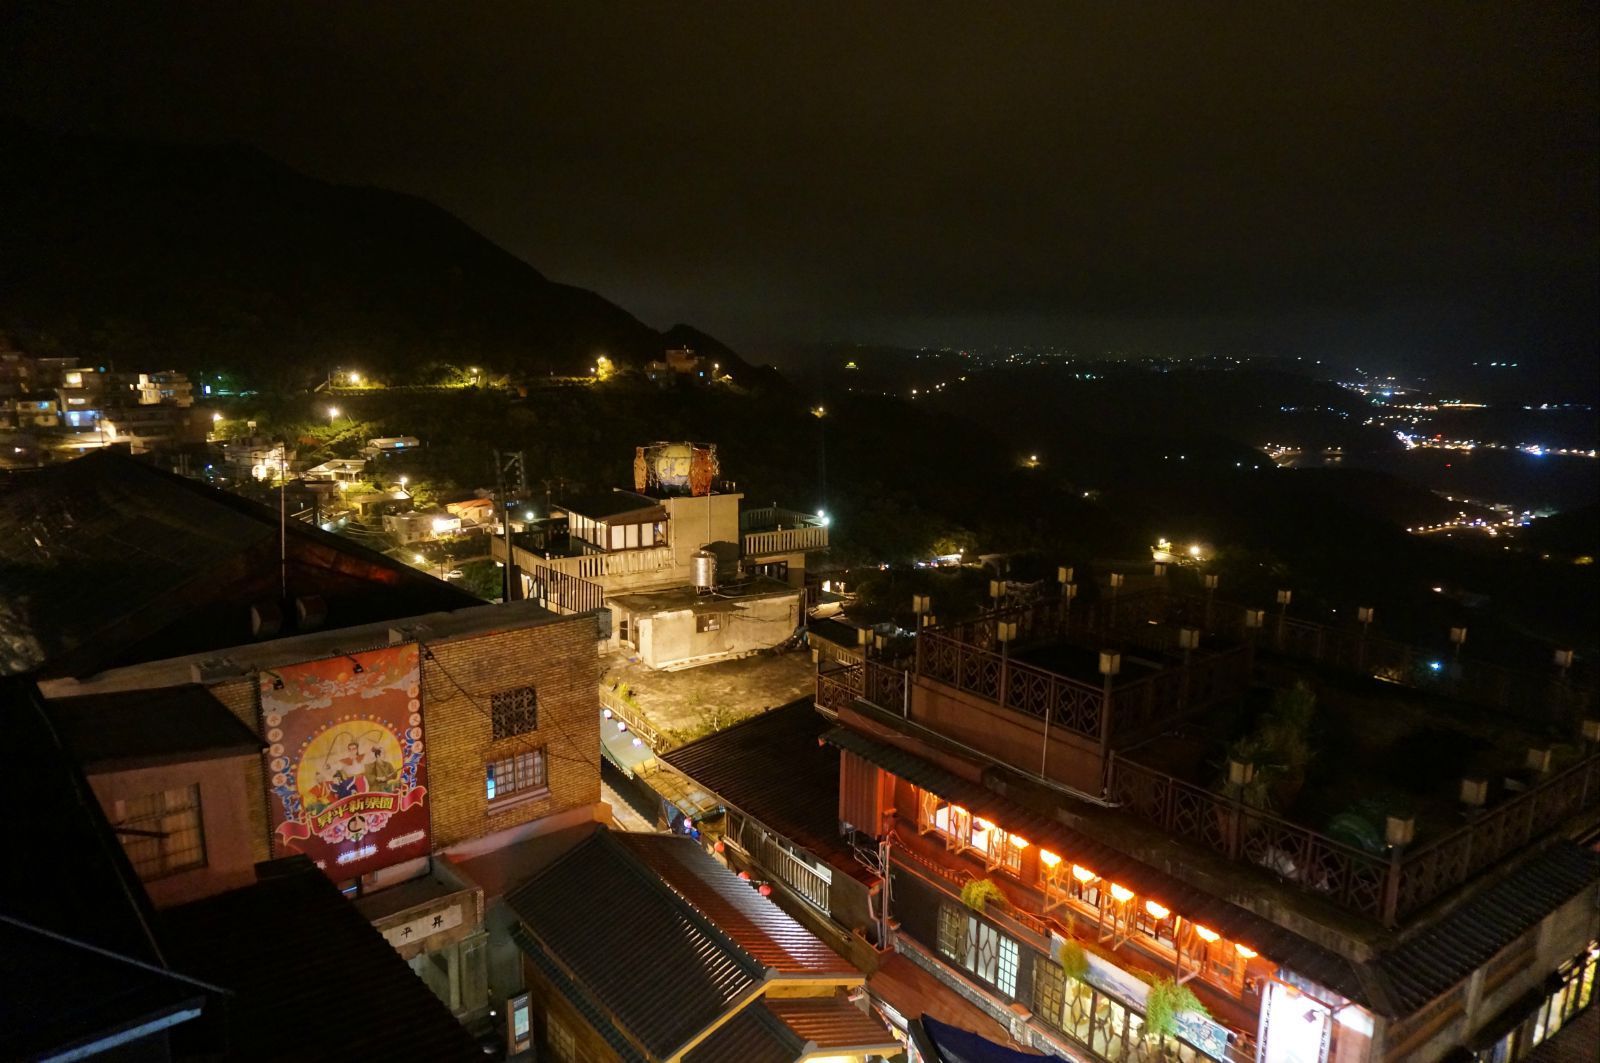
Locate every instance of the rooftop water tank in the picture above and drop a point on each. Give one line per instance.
(703, 567)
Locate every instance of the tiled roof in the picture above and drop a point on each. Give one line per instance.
(106, 560)
(833, 1023)
(759, 927)
(1282, 946)
(754, 1035)
(1449, 950)
(653, 964)
(295, 947)
(772, 768)
(138, 728)
(576, 996)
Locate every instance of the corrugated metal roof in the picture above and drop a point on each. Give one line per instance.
(753, 1036)
(833, 1022)
(656, 966)
(1266, 937)
(1444, 953)
(294, 946)
(759, 927)
(773, 768)
(576, 996)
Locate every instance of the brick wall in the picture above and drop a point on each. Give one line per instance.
(559, 660)
(240, 696)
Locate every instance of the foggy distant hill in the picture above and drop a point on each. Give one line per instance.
(200, 257)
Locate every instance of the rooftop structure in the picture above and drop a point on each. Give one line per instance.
(1078, 759)
(94, 966)
(109, 561)
(678, 529)
(729, 974)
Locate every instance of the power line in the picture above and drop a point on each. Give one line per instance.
(488, 713)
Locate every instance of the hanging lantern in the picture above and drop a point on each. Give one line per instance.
(764, 889)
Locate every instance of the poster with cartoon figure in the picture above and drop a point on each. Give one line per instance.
(345, 763)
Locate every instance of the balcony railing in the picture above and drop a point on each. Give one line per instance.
(786, 541)
(1383, 887)
(1543, 696)
(966, 657)
(612, 563)
(1069, 703)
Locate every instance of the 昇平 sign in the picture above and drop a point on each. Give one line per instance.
(345, 760)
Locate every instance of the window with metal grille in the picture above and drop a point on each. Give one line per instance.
(515, 712)
(707, 622)
(1049, 990)
(952, 932)
(515, 774)
(161, 832)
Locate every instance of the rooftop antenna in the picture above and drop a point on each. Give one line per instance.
(283, 520)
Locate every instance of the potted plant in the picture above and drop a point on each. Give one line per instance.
(1164, 1003)
(979, 892)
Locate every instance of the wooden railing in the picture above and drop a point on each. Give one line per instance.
(1445, 862)
(1069, 703)
(563, 593)
(612, 563)
(767, 518)
(1539, 696)
(1383, 887)
(788, 540)
(610, 699)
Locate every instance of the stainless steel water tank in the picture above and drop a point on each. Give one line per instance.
(703, 566)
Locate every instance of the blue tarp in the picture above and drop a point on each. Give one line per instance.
(953, 1045)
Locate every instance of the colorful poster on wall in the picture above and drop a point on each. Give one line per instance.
(345, 765)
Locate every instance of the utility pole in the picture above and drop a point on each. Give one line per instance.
(510, 473)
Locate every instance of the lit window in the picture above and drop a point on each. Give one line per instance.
(515, 774)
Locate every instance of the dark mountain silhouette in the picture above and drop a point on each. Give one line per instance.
(199, 257)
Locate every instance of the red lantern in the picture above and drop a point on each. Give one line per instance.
(719, 847)
(745, 875)
(765, 890)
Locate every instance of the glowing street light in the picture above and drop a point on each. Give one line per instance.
(333, 414)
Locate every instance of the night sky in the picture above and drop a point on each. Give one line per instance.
(1411, 183)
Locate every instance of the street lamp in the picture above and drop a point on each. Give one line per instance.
(333, 414)
(1285, 596)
